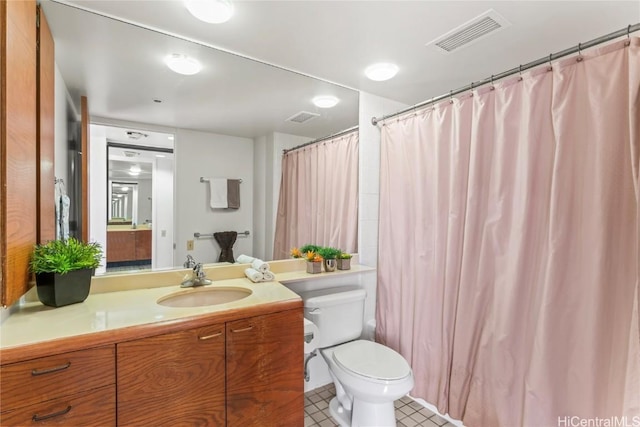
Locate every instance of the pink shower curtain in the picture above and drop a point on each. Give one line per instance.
(509, 245)
(319, 197)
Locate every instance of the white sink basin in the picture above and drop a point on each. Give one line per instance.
(204, 296)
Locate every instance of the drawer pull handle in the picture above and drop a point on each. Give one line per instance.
(36, 372)
(37, 417)
(250, 327)
(208, 337)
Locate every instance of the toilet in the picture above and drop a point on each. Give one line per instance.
(368, 376)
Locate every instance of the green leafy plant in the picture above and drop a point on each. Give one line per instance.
(62, 256)
(309, 248)
(344, 255)
(329, 252)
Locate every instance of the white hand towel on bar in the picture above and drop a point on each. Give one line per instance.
(218, 187)
(268, 276)
(260, 265)
(253, 275)
(245, 259)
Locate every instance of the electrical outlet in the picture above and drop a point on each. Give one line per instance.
(189, 245)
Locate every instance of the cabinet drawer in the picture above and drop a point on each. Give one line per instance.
(47, 378)
(93, 408)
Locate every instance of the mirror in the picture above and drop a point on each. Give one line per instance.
(232, 120)
(123, 203)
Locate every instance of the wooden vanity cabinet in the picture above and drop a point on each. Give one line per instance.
(128, 245)
(265, 371)
(75, 388)
(245, 372)
(173, 379)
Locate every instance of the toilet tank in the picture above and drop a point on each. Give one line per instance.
(337, 312)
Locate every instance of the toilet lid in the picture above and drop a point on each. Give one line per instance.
(371, 360)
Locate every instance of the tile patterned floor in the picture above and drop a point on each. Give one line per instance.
(408, 412)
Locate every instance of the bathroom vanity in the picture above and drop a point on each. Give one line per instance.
(121, 358)
(234, 364)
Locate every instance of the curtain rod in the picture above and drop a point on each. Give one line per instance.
(547, 59)
(324, 138)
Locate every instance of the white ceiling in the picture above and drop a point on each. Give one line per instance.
(331, 40)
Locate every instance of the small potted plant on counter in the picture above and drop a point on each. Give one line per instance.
(344, 261)
(64, 269)
(309, 248)
(314, 262)
(330, 256)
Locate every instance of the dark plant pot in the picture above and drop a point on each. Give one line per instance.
(344, 264)
(314, 267)
(330, 265)
(57, 290)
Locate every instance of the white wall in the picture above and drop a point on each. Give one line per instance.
(98, 190)
(162, 214)
(369, 174)
(144, 202)
(259, 197)
(200, 154)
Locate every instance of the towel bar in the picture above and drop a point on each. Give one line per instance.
(203, 179)
(245, 233)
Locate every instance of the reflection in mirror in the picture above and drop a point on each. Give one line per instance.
(123, 203)
(232, 120)
(140, 164)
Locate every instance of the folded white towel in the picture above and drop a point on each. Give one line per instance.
(218, 188)
(268, 276)
(260, 265)
(245, 259)
(253, 275)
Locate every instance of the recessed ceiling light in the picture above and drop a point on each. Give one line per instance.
(382, 71)
(170, 137)
(325, 101)
(135, 169)
(211, 11)
(160, 155)
(124, 188)
(183, 64)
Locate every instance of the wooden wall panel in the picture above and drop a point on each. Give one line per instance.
(19, 145)
(46, 131)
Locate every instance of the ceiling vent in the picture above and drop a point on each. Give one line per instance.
(302, 117)
(136, 135)
(470, 32)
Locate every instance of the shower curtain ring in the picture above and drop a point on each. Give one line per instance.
(450, 97)
(579, 52)
(520, 72)
(628, 42)
(550, 66)
(492, 86)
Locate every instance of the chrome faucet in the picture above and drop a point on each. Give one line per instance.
(190, 262)
(198, 276)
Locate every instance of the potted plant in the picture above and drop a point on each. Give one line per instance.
(330, 256)
(344, 261)
(63, 270)
(314, 262)
(309, 248)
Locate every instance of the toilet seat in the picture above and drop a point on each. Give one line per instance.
(371, 360)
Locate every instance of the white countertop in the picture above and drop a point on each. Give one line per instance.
(34, 322)
(120, 301)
